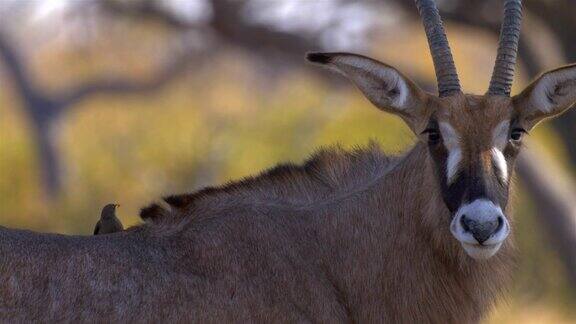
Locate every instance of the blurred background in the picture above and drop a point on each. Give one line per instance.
(125, 101)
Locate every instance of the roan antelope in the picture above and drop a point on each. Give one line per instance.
(345, 237)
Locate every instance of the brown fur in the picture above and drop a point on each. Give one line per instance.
(346, 237)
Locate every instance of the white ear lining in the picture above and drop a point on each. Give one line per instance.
(370, 76)
(543, 94)
(400, 101)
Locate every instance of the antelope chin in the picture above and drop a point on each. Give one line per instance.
(481, 252)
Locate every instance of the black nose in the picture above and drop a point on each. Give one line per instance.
(481, 231)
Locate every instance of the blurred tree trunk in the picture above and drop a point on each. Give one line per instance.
(44, 110)
(555, 204)
(41, 112)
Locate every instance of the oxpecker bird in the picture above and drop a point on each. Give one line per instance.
(108, 222)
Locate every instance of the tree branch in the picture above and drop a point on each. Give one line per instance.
(229, 24)
(16, 69)
(41, 110)
(121, 85)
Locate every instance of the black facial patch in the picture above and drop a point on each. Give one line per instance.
(478, 182)
(475, 180)
(453, 193)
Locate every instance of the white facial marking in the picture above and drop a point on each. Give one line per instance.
(499, 140)
(452, 143)
(480, 211)
(452, 166)
(387, 75)
(500, 163)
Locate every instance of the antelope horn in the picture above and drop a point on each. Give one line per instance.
(446, 75)
(503, 74)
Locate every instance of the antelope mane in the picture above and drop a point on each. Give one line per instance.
(328, 175)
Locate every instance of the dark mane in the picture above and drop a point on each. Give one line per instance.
(327, 173)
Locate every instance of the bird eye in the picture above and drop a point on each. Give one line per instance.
(433, 135)
(517, 134)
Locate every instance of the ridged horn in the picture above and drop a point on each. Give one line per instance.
(503, 74)
(446, 75)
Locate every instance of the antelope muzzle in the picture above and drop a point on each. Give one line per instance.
(481, 227)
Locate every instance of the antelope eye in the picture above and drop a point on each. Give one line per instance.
(517, 134)
(433, 135)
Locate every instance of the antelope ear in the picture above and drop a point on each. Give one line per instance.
(550, 95)
(382, 84)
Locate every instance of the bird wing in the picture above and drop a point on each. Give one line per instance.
(97, 228)
(118, 225)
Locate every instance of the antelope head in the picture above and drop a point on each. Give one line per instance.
(472, 140)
